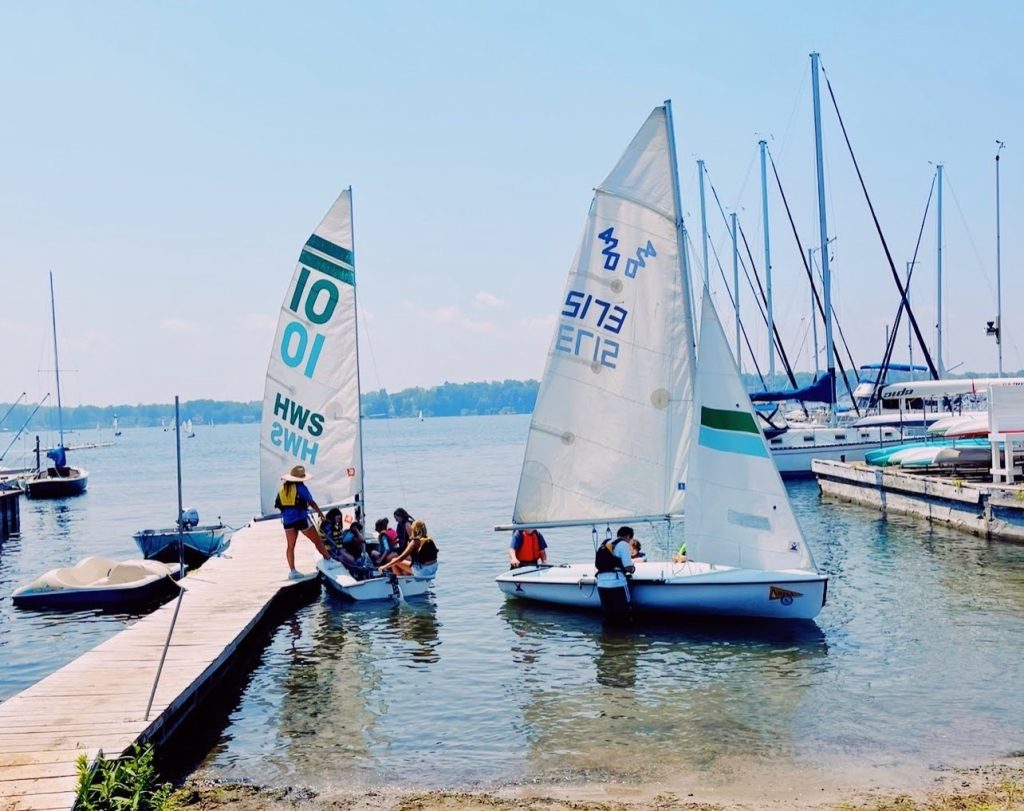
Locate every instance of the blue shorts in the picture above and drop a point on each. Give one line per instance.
(424, 571)
(301, 524)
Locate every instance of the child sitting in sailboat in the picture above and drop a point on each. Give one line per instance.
(346, 545)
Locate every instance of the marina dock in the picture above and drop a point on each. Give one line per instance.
(10, 514)
(979, 507)
(97, 703)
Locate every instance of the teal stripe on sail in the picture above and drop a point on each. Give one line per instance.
(732, 442)
(728, 420)
(340, 273)
(329, 248)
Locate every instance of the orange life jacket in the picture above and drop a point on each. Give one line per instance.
(529, 551)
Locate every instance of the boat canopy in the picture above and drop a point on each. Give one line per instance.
(820, 391)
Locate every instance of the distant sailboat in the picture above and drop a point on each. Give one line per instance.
(421, 416)
(117, 431)
(186, 429)
(61, 480)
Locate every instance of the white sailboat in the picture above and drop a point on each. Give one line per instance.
(311, 405)
(613, 436)
(61, 479)
(186, 429)
(117, 431)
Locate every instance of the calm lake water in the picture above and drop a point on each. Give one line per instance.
(915, 661)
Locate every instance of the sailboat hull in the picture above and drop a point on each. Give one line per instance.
(687, 588)
(49, 483)
(376, 588)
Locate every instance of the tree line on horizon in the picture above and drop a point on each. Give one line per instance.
(446, 400)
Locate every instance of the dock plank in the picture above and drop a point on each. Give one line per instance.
(98, 701)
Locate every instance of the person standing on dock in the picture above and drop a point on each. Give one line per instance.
(295, 501)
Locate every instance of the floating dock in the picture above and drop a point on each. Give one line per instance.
(979, 507)
(97, 703)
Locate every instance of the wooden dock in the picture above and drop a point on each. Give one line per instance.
(97, 702)
(981, 508)
(10, 514)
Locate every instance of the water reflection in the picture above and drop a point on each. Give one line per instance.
(676, 696)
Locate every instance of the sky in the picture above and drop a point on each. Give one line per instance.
(166, 161)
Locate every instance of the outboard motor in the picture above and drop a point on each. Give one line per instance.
(189, 518)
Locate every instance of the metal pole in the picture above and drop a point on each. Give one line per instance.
(736, 290)
(938, 307)
(826, 276)
(680, 229)
(359, 388)
(181, 507)
(767, 262)
(910, 332)
(999, 275)
(56, 362)
(814, 312)
(703, 220)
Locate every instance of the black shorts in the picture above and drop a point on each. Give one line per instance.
(301, 524)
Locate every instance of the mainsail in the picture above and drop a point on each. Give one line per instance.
(737, 510)
(610, 429)
(311, 403)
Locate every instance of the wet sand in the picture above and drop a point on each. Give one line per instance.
(995, 787)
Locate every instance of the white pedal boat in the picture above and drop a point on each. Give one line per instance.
(98, 582)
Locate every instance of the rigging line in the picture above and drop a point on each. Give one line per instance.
(891, 345)
(810, 278)
(778, 337)
(878, 227)
(763, 298)
(743, 327)
(391, 442)
(970, 237)
(784, 144)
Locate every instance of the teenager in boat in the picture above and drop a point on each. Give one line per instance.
(614, 562)
(527, 548)
(295, 501)
(403, 525)
(381, 549)
(419, 558)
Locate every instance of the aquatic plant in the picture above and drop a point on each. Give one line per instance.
(128, 783)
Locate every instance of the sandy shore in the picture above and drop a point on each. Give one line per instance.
(995, 787)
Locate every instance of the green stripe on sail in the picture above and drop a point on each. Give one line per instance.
(329, 248)
(330, 268)
(728, 420)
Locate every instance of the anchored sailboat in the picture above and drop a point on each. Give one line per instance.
(614, 435)
(61, 480)
(311, 406)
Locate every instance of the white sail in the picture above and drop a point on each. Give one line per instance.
(609, 434)
(737, 510)
(311, 403)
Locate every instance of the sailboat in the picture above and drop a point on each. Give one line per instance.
(60, 480)
(117, 431)
(311, 405)
(186, 429)
(628, 429)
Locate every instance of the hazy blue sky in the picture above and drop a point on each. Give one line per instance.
(167, 161)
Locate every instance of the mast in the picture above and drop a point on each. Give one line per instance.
(823, 227)
(360, 508)
(181, 506)
(910, 332)
(736, 289)
(681, 229)
(703, 220)
(999, 276)
(56, 362)
(814, 317)
(767, 262)
(938, 321)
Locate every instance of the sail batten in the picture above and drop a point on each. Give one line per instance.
(611, 423)
(311, 400)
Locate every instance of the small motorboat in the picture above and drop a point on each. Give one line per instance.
(383, 587)
(200, 542)
(98, 582)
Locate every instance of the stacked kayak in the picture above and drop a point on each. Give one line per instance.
(933, 453)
